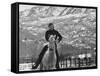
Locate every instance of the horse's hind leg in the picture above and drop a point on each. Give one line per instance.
(41, 66)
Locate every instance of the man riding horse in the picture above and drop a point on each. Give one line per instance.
(58, 38)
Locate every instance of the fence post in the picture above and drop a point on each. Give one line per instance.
(66, 62)
(70, 62)
(75, 62)
(78, 62)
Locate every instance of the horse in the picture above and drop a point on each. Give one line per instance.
(49, 59)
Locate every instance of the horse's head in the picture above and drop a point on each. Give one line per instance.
(52, 38)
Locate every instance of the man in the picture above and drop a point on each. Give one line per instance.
(58, 38)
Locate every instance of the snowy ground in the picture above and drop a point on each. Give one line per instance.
(26, 67)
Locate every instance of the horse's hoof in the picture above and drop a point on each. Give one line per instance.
(34, 66)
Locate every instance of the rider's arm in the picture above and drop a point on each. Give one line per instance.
(46, 36)
(59, 36)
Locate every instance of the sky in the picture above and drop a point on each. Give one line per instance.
(23, 7)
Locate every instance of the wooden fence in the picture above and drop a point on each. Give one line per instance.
(76, 62)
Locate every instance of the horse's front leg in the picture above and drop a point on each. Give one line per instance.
(43, 67)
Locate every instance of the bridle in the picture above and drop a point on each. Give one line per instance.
(52, 43)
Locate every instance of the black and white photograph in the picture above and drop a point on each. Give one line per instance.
(57, 37)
